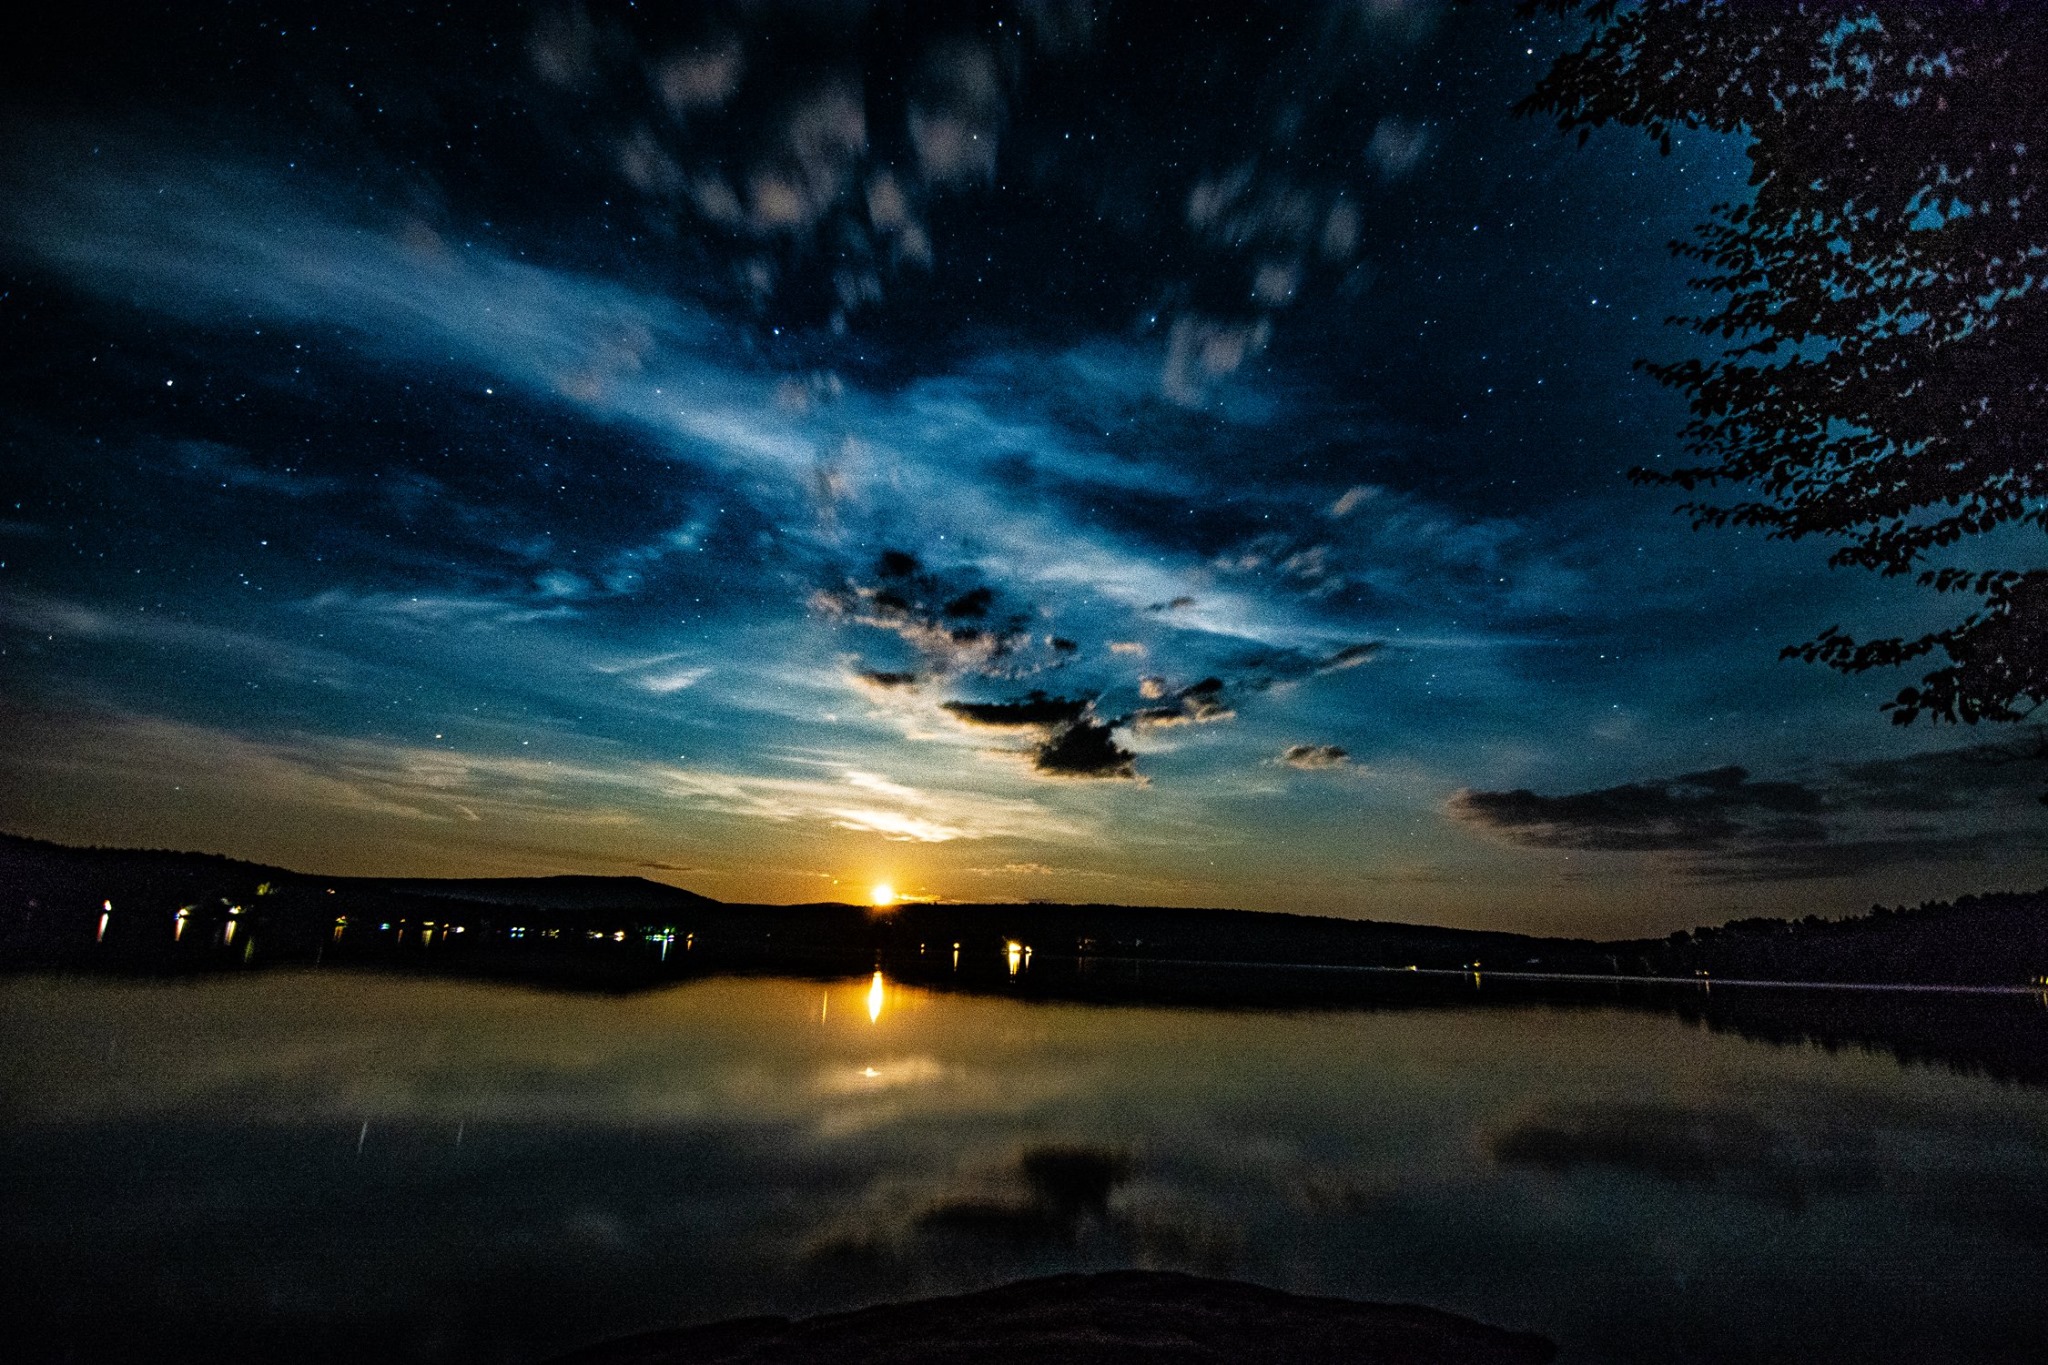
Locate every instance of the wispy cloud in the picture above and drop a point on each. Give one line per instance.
(310, 772)
(212, 242)
(435, 611)
(66, 619)
(227, 467)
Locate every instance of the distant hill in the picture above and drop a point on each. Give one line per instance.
(52, 898)
(29, 867)
(548, 893)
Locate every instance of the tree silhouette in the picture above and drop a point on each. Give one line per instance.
(1882, 375)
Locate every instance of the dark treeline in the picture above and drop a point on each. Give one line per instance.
(1992, 940)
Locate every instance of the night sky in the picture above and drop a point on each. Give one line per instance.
(1163, 454)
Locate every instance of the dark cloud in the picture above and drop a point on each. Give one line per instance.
(1072, 743)
(885, 679)
(1036, 708)
(1768, 860)
(896, 564)
(1944, 805)
(957, 627)
(2006, 770)
(1313, 756)
(1695, 811)
(971, 605)
(1086, 748)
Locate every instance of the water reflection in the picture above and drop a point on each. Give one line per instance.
(1635, 1185)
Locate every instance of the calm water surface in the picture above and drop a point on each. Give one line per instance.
(352, 1166)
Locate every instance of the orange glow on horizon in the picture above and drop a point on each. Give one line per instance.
(882, 894)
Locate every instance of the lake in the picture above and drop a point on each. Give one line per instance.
(338, 1165)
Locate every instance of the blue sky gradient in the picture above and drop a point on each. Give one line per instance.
(485, 443)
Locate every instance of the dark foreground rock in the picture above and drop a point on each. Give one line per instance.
(1129, 1317)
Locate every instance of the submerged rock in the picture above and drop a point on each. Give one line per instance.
(1128, 1317)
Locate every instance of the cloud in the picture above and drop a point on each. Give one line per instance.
(885, 680)
(1352, 498)
(1201, 352)
(778, 157)
(1951, 779)
(1398, 145)
(63, 618)
(1842, 820)
(1349, 656)
(1035, 709)
(662, 682)
(223, 244)
(1277, 231)
(219, 247)
(955, 625)
(1764, 859)
(702, 77)
(898, 826)
(1085, 748)
(956, 113)
(807, 201)
(1266, 669)
(442, 610)
(313, 773)
(1200, 703)
(1695, 811)
(1378, 547)
(226, 467)
(660, 674)
(1071, 742)
(1315, 756)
